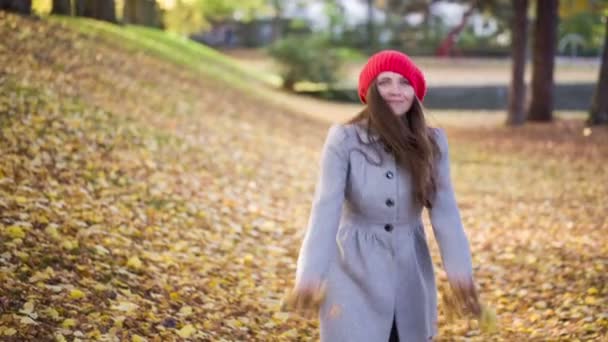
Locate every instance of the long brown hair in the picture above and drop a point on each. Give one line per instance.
(415, 147)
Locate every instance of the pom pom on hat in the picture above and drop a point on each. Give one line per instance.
(395, 61)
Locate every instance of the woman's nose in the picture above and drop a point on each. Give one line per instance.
(394, 89)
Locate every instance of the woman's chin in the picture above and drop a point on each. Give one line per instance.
(399, 112)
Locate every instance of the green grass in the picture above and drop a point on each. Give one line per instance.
(171, 47)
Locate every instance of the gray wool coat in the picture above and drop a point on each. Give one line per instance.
(366, 239)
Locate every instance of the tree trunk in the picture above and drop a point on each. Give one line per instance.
(79, 7)
(598, 115)
(141, 12)
(106, 10)
(517, 91)
(97, 9)
(545, 43)
(62, 7)
(371, 36)
(17, 6)
(129, 12)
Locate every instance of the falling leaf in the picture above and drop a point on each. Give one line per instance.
(487, 322)
(587, 131)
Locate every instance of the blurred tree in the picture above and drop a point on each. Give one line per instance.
(97, 9)
(335, 13)
(371, 35)
(61, 7)
(188, 16)
(142, 12)
(18, 6)
(599, 107)
(277, 7)
(517, 90)
(543, 61)
(447, 44)
(310, 58)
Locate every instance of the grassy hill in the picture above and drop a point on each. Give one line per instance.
(149, 192)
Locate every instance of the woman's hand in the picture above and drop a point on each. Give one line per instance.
(466, 296)
(305, 298)
(463, 299)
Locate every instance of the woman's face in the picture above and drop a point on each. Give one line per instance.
(396, 90)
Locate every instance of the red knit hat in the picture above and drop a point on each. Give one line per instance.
(395, 61)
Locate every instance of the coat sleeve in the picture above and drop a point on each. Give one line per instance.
(319, 243)
(446, 221)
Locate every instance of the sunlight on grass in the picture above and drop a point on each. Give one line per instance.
(170, 46)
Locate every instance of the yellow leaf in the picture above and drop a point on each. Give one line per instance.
(15, 232)
(59, 338)
(247, 260)
(42, 275)
(280, 316)
(100, 287)
(10, 332)
(137, 338)
(27, 320)
(590, 300)
(68, 323)
(174, 295)
(43, 219)
(22, 255)
(125, 306)
(52, 313)
(70, 244)
(28, 308)
(186, 331)
(592, 291)
(76, 294)
(134, 263)
(291, 333)
(20, 200)
(101, 250)
(53, 232)
(186, 311)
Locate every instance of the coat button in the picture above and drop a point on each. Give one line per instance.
(390, 202)
(388, 227)
(387, 149)
(389, 175)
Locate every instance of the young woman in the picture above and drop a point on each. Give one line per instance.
(365, 251)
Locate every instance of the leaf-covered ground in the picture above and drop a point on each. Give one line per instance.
(142, 201)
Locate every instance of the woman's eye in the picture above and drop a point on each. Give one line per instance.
(404, 82)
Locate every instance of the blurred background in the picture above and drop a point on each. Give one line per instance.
(317, 47)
